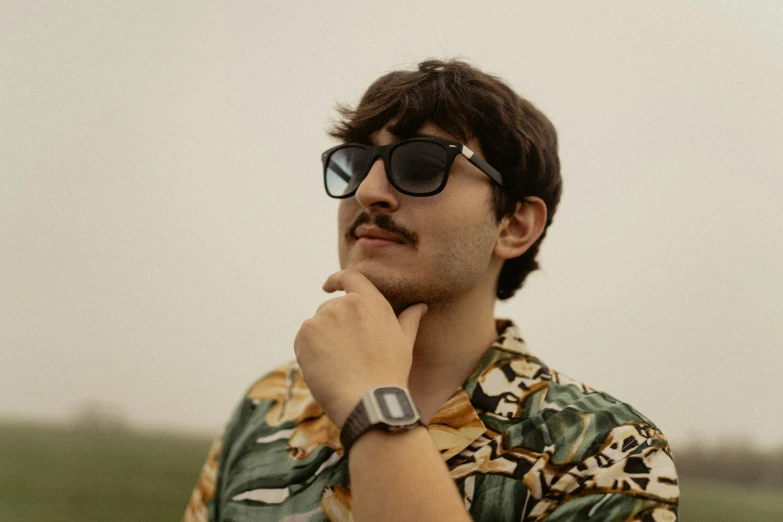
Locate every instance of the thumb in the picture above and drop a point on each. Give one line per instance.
(409, 320)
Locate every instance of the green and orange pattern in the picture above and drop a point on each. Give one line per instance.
(523, 443)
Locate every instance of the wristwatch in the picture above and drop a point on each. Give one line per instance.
(388, 408)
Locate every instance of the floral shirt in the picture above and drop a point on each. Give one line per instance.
(522, 441)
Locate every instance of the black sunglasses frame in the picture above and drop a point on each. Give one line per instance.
(452, 148)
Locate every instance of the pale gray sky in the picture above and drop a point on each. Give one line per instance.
(164, 231)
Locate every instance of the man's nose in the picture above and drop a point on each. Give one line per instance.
(375, 190)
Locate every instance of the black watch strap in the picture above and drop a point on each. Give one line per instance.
(355, 425)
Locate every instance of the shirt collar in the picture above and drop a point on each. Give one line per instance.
(457, 424)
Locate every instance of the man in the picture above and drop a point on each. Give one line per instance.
(409, 401)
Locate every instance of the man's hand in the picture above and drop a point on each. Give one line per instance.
(354, 343)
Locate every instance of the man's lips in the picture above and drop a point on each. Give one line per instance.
(377, 236)
(373, 242)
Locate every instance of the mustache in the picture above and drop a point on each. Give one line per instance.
(383, 222)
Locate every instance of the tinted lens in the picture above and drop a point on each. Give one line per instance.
(344, 170)
(419, 166)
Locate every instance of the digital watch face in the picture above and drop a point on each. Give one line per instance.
(394, 405)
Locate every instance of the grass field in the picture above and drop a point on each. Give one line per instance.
(60, 474)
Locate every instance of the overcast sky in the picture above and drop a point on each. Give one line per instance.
(164, 231)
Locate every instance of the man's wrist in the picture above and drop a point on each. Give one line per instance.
(384, 408)
(348, 401)
(341, 414)
(374, 439)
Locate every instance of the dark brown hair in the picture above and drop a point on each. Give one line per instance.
(515, 137)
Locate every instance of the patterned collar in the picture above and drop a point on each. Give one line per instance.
(457, 424)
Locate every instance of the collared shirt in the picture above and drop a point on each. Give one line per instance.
(522, 442)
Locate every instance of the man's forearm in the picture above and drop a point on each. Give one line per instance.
(402, 476)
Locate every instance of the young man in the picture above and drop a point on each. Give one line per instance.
(409, 400)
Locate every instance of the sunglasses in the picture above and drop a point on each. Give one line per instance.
(417, 166)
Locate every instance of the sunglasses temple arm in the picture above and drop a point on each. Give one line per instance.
(487, 169)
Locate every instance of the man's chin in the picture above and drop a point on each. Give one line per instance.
(372, 269)
(396, 286)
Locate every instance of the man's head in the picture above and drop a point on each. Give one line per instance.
(474, 232)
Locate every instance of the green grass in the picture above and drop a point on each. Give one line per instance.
(60, 474)
(715, 501)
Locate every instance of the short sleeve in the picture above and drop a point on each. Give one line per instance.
(631, 478)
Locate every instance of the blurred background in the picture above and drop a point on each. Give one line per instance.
(164, 230)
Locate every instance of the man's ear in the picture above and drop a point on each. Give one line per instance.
(517, 232)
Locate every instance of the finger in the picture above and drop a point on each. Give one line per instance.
(410, 319)
(350, 281)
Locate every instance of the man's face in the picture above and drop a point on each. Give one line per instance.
(448, 238)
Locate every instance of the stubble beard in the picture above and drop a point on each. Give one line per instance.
(457, 268)
(455, 272)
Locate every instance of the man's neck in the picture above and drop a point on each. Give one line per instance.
(450, 342)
